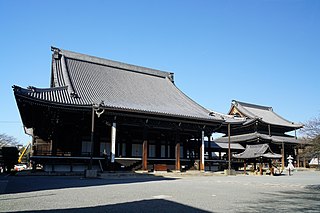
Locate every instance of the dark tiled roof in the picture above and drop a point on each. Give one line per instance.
(255, 136)
(82, 80)
(266, 114)
(225, 145)
(256, 151)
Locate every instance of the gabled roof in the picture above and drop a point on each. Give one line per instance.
(257, 151)
(262, 113)
(255, 136)
(81, 80)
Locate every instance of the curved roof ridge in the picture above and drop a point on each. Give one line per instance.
(37, 89)
(114, 64)
(253, 105)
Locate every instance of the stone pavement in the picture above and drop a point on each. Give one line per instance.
(162, 193)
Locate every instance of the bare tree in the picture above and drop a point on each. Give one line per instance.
(311, 132)
(6, 140)
(312, 128)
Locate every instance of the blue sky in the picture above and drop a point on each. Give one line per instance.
(264, 52)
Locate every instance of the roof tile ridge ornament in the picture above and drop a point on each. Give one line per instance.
(171, 77)
(16, 88)
(56, 52)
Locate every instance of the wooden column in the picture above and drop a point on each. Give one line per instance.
(177, 151)
(282, 159)
(202, 152)
(145, 150)
(178, 156)
(145, 155)
(229, 149)
(245, 167)
(33, 153)
(113, 141)
(209, 152)
(270, 167)
(298, 157)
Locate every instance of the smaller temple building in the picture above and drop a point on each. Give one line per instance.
(263, 126)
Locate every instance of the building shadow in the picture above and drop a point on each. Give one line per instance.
(304, 200)
(19, 184)
(147, 206)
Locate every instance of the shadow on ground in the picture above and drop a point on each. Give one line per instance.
(305, 200)
(19, 184)
(155, 205)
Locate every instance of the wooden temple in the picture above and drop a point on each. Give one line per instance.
(263, 126)
(113, 115)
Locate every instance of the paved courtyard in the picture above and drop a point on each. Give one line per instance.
(174, 193)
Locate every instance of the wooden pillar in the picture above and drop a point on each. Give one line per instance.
(113, 141)
(177, 151)
(202, 152)
(229, 149)
(178, 155)
(282, 159)
(209, 148)
(33, 153)
(209, 152)
(260, 167)
(298, 157)
(245, 167)
(145, 150)
(145, 155)
(270, 167)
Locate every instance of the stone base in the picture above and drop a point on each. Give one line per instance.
(231, 172)
(90, 173)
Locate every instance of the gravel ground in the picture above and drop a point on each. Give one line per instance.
(171, 193)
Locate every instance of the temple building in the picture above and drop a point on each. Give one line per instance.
(263, 127)
(113, 115)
